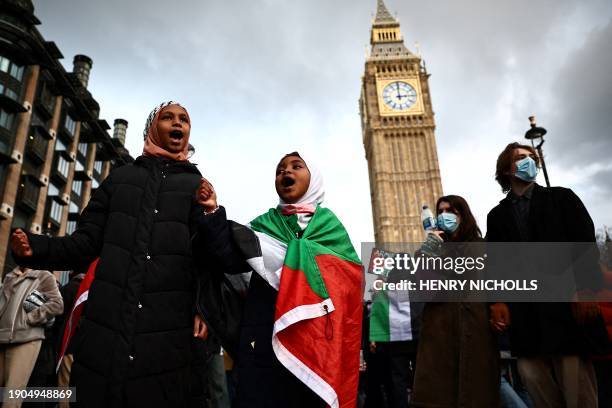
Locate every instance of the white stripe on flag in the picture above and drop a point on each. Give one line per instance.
(305, 374)
(293, 363)
(303, 312)
(400, 327)
(270, 264)
(81, 299)
(77, 302)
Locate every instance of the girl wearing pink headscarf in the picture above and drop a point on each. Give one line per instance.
(134, 344)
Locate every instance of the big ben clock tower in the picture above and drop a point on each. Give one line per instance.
(398, 133)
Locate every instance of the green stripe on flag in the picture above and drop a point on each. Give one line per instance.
(379, 318)
(324, 235)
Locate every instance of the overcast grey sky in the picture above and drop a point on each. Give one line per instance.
(264, 77)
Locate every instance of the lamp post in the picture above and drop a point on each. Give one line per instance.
(536, 135)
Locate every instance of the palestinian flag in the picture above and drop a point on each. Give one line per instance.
(391, 313)
(390, 316)
(319, 278)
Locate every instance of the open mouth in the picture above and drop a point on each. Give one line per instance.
(176, 134)
(287, 181)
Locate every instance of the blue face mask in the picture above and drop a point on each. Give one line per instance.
(447, 222)
(526, 169)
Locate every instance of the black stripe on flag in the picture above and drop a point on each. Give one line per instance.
(246, 240)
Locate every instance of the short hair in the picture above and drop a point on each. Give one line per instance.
(504, 164)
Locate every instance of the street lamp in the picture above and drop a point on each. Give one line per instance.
(536, 134)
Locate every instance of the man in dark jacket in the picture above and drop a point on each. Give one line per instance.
(546, 337)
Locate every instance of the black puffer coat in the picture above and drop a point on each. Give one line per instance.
(135, 344)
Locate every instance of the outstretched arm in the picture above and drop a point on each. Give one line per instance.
(69, 252)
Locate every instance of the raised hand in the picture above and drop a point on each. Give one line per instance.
(206, 195)
(200, 329)
(20, 244)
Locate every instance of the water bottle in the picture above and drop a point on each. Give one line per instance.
(428, 220)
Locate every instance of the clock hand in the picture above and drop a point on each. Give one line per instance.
(406, 95)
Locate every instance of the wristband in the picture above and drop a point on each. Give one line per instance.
(211, 212)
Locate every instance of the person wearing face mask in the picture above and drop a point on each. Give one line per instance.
(547, 338)
(457, 359)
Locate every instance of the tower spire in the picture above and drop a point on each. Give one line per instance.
(382, 14)
(385, 36)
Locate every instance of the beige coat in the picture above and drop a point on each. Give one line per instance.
(17, 326)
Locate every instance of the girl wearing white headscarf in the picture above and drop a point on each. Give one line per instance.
(301, 326)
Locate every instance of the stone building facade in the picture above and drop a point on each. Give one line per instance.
(54, 148)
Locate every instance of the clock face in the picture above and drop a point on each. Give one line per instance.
(399, 95)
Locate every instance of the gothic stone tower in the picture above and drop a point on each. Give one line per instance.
(398, 133)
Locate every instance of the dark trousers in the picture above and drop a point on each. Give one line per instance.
(377, 379)
(603, 371)
(401, 375)
(395, 370)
